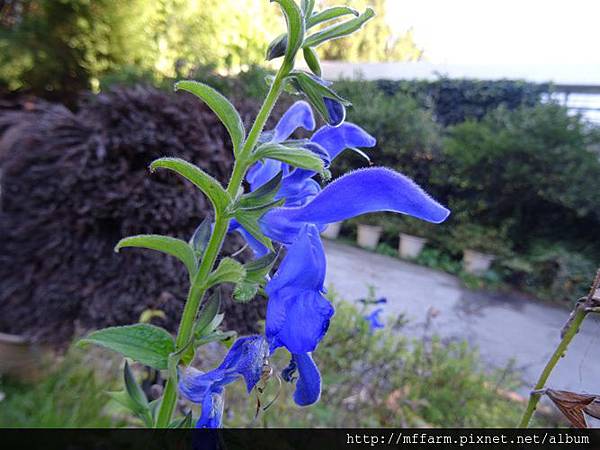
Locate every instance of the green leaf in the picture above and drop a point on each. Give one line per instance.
(261, 196)
(203, 181)
(256, 271)
(312, 60)
(297, 157)
(144, 343)
(133, 389)
(330, 14)
(216, 336)
(169, 245)
(228, 271)
(221, 107)
(307, 7)
(316, 92)
(339, 30)
(208, 313)
(200, 238)
(182, 422)
(249, 217)
(295, 30)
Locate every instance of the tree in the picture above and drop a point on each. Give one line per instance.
(380, 43)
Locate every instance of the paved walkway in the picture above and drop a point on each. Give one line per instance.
(502, 327)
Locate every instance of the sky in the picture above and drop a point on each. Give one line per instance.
(502, 31)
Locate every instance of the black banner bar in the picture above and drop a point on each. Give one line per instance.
(301, 439)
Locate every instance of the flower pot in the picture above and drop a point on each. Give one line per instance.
(19, 357)
(476, 262)
(410, 246)
(332, 231)
(368, 236)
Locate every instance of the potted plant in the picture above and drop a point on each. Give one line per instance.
(368, 231)
(332, 231)
(480, 245)
(412, 237)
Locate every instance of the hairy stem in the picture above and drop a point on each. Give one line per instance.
(197, 288)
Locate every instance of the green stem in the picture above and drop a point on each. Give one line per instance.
(197, 288)
(568, 336)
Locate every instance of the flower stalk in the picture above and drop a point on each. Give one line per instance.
(197, 289)
(584, 306)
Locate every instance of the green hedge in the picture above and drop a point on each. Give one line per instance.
(517, 181)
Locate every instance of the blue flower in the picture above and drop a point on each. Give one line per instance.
(308, 383)
(297, 185)
(245, 359)
(359, 192)
(374, 320)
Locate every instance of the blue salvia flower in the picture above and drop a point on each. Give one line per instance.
(362, 191)
(297, 313)
(297, 185)
(245, 359)
(374, 320)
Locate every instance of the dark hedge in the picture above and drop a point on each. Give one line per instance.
(73, 184)
(456, 100)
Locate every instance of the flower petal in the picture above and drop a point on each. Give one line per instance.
(257, 247)
(261, 172)
(337, 139)
(359, 192)
(297, 320)
(303, 267)
(246, 358)
(212, 411)
(298, 115)
(308, 386)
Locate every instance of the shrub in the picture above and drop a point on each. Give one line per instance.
(65, 205)
(396, 381)
(408, 139)
(529, 169)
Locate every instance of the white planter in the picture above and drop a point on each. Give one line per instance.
(368, 236)
(410, 246)
(332, 231)
(477, 263)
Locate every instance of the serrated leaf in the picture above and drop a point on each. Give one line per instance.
(222, 107)
(256, 272)
(312, 60)
(339, 30)
(200, 238)
(295, 29)
(245, 291)
(165, 244)
(203, 181)
(228, 271)
(144, 343)
(208, 312)
(330, 14)
(297, 157)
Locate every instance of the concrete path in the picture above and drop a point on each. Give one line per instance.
(502, 327)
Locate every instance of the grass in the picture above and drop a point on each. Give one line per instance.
(71, 395)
